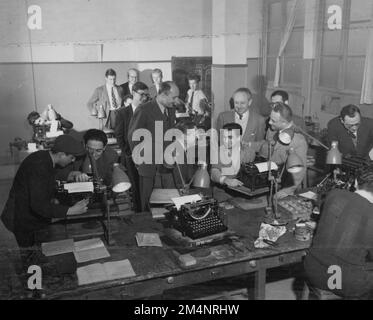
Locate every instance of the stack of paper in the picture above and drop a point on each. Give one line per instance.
(91, 249)
(148, 240)
(158, 213)
(99, 272)
(57, 247)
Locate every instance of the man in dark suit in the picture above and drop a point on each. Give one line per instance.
(353, 132)
(124, 116)
(150, 121)
(133, 77)
(252, 124)
(109, 96)
(30, 204)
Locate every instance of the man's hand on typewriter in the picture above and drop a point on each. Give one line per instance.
(233, 182)
(78, 208)
(77, 176)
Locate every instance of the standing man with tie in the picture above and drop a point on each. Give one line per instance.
(133, 77)
(194, 94)
(157, 78)
(157, 112)
(109, 96)
(124, 116)
(353, 132)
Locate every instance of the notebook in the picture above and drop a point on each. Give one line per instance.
(99, 272)
(91, 249)
(148, 239)
(57, 247)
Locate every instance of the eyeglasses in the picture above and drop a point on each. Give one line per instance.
(142, 94)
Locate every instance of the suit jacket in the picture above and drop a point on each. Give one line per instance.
(153, 91)
(255, 129)
(29, 206)
(145, 117)
(101, 97)
(124, 116)
(126, 89)
(337, 132)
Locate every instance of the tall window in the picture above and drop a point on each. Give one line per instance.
(277, 13)
(342, 52)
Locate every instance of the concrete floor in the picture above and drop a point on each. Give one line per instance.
(281, 283)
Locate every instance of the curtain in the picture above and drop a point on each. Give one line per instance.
(367, 87)
(287, 32)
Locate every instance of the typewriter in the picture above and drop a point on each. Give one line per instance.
(252, 178)
(197, 220)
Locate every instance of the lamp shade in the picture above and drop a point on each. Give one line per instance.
(121, 182)
(286, 136)
(334, 156)
(294, 163)
(101, 112)
(202, 178)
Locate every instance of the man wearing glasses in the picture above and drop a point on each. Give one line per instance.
(124, 116)
(353, 132)
(95, 142)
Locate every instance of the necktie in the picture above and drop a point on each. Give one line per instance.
(114, 101)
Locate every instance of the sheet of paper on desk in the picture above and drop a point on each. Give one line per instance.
(76, 187)
(179, 201)
(263, 166)
(158, 212)
(57, 247)
(148, 239)
(163, 195)
(99, 272)
(91, 249)
(309, 195)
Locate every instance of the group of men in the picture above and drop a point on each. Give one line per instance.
(137, 112)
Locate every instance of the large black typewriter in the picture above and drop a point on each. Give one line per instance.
(252, 178)
(199, 219)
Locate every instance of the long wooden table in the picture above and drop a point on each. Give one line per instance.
(157, 268)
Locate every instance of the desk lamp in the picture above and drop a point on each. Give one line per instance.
(200, 179)
(120, 180)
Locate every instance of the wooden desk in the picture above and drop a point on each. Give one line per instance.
(157, 268)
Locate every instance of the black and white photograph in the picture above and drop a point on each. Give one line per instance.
(207, 152)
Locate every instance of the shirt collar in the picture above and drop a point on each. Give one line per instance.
(244, 116)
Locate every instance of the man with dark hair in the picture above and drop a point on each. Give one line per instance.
(157, 78)
(95, 142)
(353, 132)
(343, 239)
(280, 96)
(281, 118)
(158, 113)
(124, 116)
(133, 77)
(30, 205)
(194, 94)
(252, 124)
(109, 96)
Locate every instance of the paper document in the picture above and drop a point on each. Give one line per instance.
(163, 195)
(76, 187)
(148, 239)
(57, 247)
(91, 249)
(99, 272)
(50, 134)
(158, 213)
(263, 166)
(179, 201)
(309, 195)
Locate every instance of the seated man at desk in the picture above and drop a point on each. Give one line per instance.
(231, 155)
(281, 118)
(353, 132)
(95, 142)
(344, 238)
(30, 204)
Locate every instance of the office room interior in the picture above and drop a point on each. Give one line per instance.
(320, 52)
